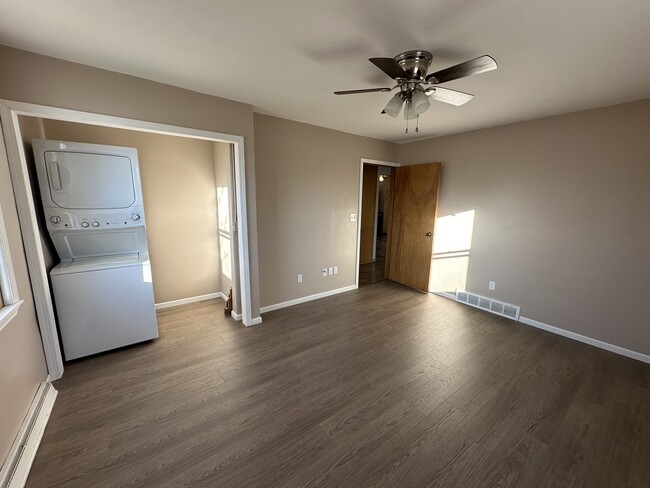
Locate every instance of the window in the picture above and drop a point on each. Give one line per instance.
(9, 302)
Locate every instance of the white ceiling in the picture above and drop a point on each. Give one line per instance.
(285, 57)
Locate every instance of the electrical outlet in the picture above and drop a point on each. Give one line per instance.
(330, 271)
(324, 271)
(492, 285)
(353, 217)
(300, 278)
(336, 270)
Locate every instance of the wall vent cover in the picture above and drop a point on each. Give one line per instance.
(488, 304)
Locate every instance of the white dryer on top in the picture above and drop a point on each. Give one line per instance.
(92, 198)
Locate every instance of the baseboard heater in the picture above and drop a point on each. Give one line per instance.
(488, 304)
(19, 461)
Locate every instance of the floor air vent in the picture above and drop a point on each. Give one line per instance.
(489, 305)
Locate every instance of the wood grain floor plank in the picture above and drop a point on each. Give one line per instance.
(381, 386)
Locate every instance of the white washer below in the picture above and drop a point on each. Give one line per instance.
(104, 303)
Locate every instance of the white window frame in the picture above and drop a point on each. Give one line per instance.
(8, 288)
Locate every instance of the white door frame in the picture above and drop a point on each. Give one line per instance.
(9, 112)
(374, 162)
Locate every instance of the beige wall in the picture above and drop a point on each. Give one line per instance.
(22, 361)
(561, 219)
(179, 193)
(34, 78)
(308, 184)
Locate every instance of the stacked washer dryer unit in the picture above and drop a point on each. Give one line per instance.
(92, 198)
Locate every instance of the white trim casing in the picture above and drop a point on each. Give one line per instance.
(235, 315)
(587, 340)
(363, 161)
(9, 112)
(379, 162)
(185, 301)
(242, 230)
(31, 240)
(374, 237)
(309, 298)
(23, 450)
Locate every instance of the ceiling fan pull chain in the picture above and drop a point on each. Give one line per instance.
(417, 124)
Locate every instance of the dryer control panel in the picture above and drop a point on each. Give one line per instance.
(59, 219)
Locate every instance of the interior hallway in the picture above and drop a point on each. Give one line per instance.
(376, 271)
(378, 385)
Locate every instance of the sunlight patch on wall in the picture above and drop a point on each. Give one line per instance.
(223, 215)
(223, 204)
(451, 250)
(224, 251)
(454, 232)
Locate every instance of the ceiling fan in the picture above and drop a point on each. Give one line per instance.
(416, 87)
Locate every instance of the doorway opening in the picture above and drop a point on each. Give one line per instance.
(375, 209)
(218, 181)
(413, 200)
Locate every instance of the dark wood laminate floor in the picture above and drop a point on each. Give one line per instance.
(375, 271)
(377, 387)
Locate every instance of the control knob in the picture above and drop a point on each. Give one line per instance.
(55, 219)
(84, 224)
(95, 223)
(135, 217)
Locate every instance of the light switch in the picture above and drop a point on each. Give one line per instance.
(300, 278)
(336, 270)
(330, 271)
(353, 217)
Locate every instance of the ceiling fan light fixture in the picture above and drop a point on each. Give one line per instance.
(409, 113)
(394, 105)
(419, 102)
(410, 71)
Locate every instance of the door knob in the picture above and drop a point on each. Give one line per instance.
(429, 234)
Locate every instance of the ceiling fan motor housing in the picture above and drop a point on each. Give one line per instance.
(415, 63)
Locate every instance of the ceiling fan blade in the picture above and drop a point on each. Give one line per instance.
(363, 90)
(471, 67)
(446, 95)
(390, 67)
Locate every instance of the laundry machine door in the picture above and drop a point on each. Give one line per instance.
(90, 181)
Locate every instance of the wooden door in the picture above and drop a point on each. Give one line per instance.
(415, 201)
(368, 211)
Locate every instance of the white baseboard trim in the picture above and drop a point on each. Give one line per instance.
(236, 316)
(184, 301)
(587, 340)
(571, 335)
(309, 298)
(256, 321)
(16, 467)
